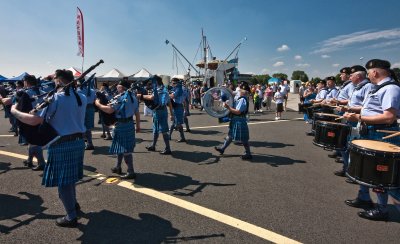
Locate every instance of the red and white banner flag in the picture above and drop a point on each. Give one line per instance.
(80, 33)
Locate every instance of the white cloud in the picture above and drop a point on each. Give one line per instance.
(305, 65)
(335, 65)
(279, 63)
(325, 56)
(382, 44)
(265, 71)
(276, 58)
(283, 48)
(396, 65)
(342, 41)
(298, 57)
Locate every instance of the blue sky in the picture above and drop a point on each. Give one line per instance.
(318, 37)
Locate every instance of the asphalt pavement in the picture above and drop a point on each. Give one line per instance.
(286, 193)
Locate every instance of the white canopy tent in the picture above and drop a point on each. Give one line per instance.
(112, 75)
(142, 74)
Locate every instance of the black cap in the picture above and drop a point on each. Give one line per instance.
(378, 63)
(323, 82)
(105, 84)
(345, 70)
(125, 84)
(357, 68)
(64, 74)
(330, 78)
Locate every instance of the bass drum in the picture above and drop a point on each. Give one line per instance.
(214, 99)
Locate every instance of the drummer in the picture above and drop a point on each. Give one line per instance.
(363, 86)
(322, 92)
(379, 111)
(332, 90)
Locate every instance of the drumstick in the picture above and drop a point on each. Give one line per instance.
(392, 135)
(387, 131)
(341, 117)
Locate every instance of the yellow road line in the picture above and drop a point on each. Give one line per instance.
(209, 213)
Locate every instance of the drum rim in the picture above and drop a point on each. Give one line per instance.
(332, 122)
(352, 145)
(325, 147)
(370, 185)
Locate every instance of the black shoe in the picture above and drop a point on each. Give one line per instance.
(151, 148)
(108, 138)
(63, 222)
(220, 150)
(333, 155)
(246, 157)
(116, 170)
(103, 136)
(89, 147)
(38, 168)
(78, 210)
(27, 163)
(166, 152)
(374, 214)
(128, 176)
(188, 130)
(350, 181)
(310, 133)
(358, 203)
(339, 160)
(340, 173)
(181, 140)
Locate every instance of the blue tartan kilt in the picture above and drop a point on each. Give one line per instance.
(123, 138)
(238, 129)
(64, 163)
(89, 117)
(21, 139)
(178, 114)
(160, 121)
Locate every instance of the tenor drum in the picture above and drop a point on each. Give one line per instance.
(303, 107)
(214, 99)
(374, 163)
(323, 117)
(331, 135)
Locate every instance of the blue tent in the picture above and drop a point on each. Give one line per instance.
(2, 78)
(274, 80)
(14, 79)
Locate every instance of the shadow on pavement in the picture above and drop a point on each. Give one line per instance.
(203, 143)
(269, 144)
(274, 160)
(13, 207)
(204, 132)
(195, 157)
(174, 182)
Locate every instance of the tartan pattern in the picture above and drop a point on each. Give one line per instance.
(395, 194)
(238, 129)
(160, 121)
(123, 138)
(89, 117)
(373, 135)
(64, 163)
(178, 114)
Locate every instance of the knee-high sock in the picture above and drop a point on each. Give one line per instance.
(38, 152)
(67, 197)
(119, 160)
(166, 141)
(382, 201)
(180, 128)
(247, 148)
(88, 135)
(128, 157)
(31, 152)
(171, 129)
(155, 138)
(227, 141)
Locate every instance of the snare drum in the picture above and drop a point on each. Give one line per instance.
(324, 117)
(331, 135)
(374, 163)
(303, 107)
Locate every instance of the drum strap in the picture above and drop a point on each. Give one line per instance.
(391, 82)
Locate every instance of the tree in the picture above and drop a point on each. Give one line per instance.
(281, 76)
(397, 72)
(260, 79)
(299, 75)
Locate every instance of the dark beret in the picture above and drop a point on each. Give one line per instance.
(345, 70)
(357, 68)
(323, 82)
(378, 63)
(125, 84)
(105, 84)
(330, 78)
(31, 79)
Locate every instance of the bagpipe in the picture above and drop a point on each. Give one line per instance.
(140, 88)
(108, 119)
(43, 133)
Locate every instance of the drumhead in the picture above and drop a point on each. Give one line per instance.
(376, 145)
(329, 115)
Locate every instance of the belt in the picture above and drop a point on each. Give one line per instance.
(124, 120)
(382, 126)
(160, 107)
(71, 137)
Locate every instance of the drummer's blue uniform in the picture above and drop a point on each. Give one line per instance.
(332, 93)
(65, 157)
(89, 116)
(322, 94)
(386, 98)
(124, 132)
(345, 92)
(178, 111)
(160, 118)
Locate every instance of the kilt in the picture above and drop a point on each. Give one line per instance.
(64, 163)
(160, 121)
(123, 138)
(89, 117)
(178, 114)
(21, 139)
(373, 135)
(238, 129)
